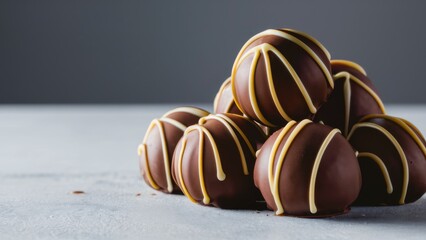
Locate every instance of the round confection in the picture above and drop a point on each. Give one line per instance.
(156, 150)
(354, 96)
(224, 101)
(307, 169)
(392, 158)
(213, 162)
(281, 75)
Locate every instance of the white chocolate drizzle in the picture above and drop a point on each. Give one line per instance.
(180, 175)
(191, 110)
(202, 131)
(320, 154)
(241, 132)
(382, 166)
(224, 120)
(143, 151)
(219, 97)
(273, 176)
(233, 129)
(347, 92)
(173, 122)
(142, 148)
(276, 176)
(414, 130)
(252, 91)
(274, 150)
(327, 53)
(351, 64)
(295, 40)
(404, 124)
(397, 147)
(265, 48)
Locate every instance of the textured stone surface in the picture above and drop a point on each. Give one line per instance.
(47, 152)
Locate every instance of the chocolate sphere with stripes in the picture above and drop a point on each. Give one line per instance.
(224, 101)
(213, 162)
(281, 75)
(156, 150)
(354, 96)
(307, 169)
(392, 157)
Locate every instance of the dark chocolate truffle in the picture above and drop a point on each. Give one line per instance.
(213, 162)
(224, 101)
(155, 151)
(307, 169)
(353, 97)
(281, 75)
(392, 157)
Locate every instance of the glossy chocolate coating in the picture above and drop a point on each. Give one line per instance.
(308, 169)
(392, 157)
(280, 75)
(213, 162)
(224, 101)
(155, 151)
(354, 96)
(268, 130)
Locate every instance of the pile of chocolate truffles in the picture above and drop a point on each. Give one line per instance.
(293, 130)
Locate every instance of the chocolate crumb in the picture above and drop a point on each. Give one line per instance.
(78, 192)
(138, 194)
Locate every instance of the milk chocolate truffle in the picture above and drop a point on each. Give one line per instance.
(353, 97)
(392, 157)
(156, 150)
(213, 162)
(281, 75)
(224, 101)
(307, 169)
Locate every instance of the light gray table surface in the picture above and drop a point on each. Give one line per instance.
(47, 152)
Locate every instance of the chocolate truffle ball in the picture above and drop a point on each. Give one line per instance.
(353, 97)
(156, 150)
(392, 158)
(213, 162)
(224, 101)
(281, 75)
(307, 169)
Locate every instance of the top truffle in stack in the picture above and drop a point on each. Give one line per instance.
(281, 75)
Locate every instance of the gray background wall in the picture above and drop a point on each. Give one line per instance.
(98, 51)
